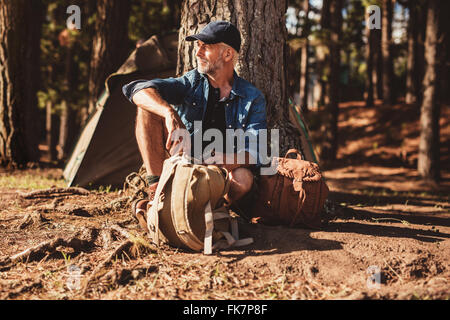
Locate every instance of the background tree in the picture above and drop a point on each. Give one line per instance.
(110, 45)
(352, 81)
(330, 129)
(19, 80)
(415, 57)
(263, 51)
(370, 48)
(428, 161)
(386, 50)
(303, 93)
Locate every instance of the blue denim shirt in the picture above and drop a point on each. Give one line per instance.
(188, 95)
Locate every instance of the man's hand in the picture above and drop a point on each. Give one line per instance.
(174, 124)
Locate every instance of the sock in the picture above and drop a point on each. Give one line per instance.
(151, 179)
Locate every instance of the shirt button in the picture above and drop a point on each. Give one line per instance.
(229, 126)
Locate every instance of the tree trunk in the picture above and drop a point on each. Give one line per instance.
(386, 48)
(415, 58)
(369, 94)
(304, 62)
(20, 31)
(262, 58)
(428, 161)
(411, 91)
(110, 45)
(377, 74)
(330, 145)
(444, 93)
(50, 131)
(323, 61)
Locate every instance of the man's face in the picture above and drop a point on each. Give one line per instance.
(209, 58)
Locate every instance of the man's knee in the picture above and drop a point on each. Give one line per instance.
(241, 180)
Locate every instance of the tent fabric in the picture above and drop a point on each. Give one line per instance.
(106, 151)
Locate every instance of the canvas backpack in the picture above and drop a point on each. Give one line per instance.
(188, 208)
(294, 195)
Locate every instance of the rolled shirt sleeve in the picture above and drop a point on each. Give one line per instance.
(172, 90)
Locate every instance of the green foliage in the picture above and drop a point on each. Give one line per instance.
(149, 17)
(66, 54)
(30, 180)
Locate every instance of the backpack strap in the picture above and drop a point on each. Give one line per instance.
(209, 224)
(153, 213)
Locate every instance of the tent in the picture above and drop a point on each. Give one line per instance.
(106, 150)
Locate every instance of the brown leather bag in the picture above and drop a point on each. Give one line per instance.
(295, 195)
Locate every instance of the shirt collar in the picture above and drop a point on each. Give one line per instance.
(237, 88)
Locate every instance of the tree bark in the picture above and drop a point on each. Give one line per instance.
(377, 74)
(386, 48)
(323, 61)
(20, 31)
(304, 62)
(411, 91)
(428, 160)
(110, 45)
(67, 116)
(369, 94)
(330, 144)
(262, 58)
(415, 57)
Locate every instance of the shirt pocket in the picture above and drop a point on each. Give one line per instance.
(193, 109)
(242, 116)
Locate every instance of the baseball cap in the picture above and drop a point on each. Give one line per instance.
(219, 31)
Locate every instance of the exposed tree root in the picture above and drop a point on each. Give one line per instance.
(133, 246)
(54, 192)
(23, 289)
(49, 247)
(102, 268)
(30, 219)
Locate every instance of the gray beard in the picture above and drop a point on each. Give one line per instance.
(210, 69)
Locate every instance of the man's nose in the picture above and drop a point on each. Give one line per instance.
(200, 51)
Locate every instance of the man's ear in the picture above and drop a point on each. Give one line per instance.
(228, 55)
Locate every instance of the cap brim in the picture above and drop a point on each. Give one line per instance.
(200, 37)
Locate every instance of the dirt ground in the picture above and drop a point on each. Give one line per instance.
(381, 223)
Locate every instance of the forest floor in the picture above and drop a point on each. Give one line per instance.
(382, 223)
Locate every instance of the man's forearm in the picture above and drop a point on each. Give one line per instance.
(150, 100)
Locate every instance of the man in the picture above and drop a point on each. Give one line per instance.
(213, 94)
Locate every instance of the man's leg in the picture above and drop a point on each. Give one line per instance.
(151, 135)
